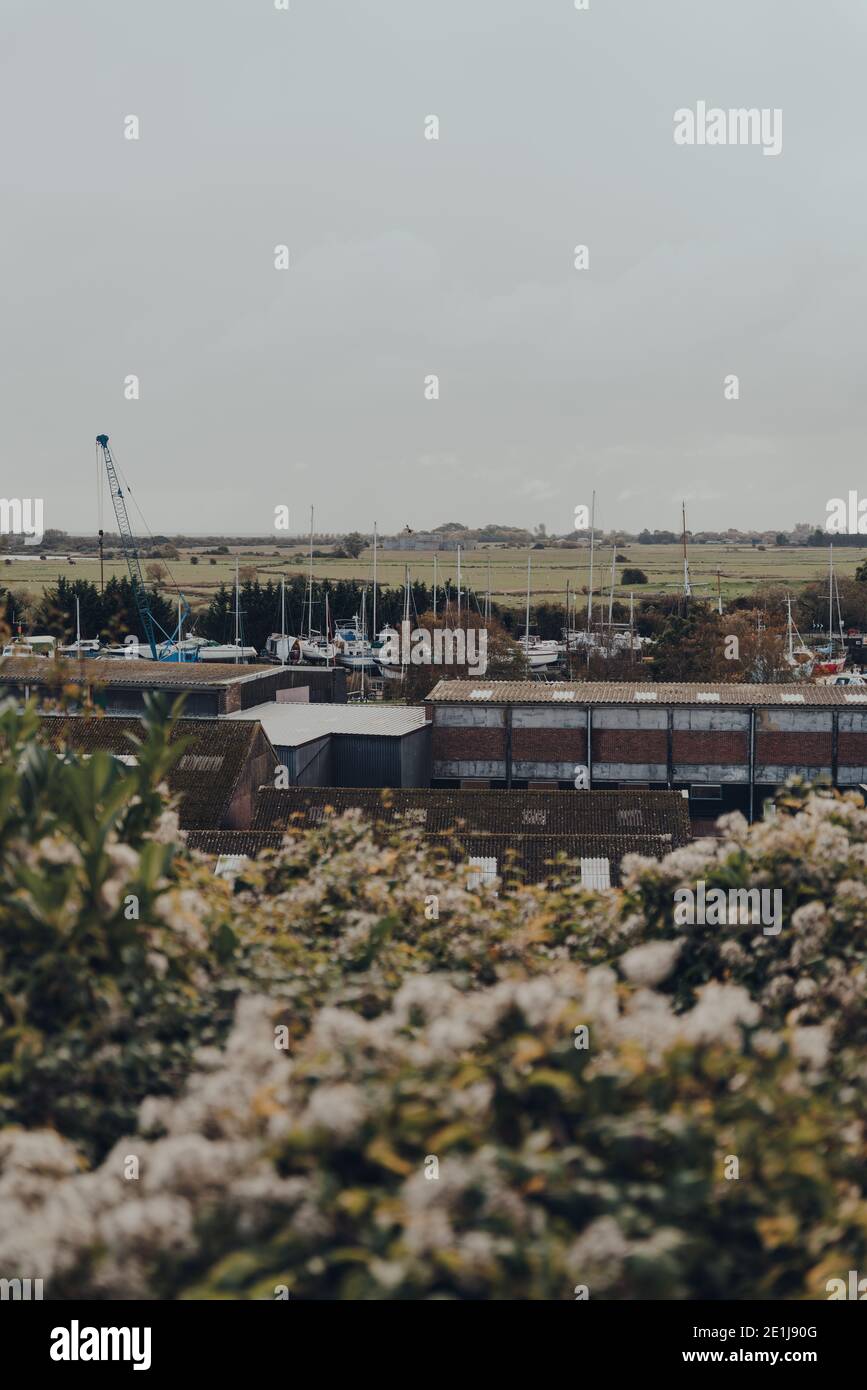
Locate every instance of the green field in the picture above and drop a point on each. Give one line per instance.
(742, 569)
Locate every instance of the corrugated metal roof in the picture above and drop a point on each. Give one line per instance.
(627, 692)
(293, 723)
(26, 670)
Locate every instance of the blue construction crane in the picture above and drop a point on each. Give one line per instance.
(170, 649)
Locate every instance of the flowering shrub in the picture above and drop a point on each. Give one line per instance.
(426, 1092)
(110, 974)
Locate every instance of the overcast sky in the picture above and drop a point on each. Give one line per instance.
(411, 257)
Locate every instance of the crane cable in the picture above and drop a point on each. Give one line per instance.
(128, 493)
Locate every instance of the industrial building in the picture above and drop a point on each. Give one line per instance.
(118, 687)
(731, 747)
(217, 778)
(515, 835)
(326, 745)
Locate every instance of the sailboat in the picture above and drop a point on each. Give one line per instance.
(311, 648)
(276, 648)
(831, 662)
(540, 653)
(389, 639)
(350, 640)
(799, 657)
(82, 646)
(229, 651)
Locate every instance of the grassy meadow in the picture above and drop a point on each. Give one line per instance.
(742, 568)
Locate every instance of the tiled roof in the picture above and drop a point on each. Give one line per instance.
(295, 722)
(207, 774)
(526, 857)
(627, 692)
(172, 675)
(515, 812)
(249, 842)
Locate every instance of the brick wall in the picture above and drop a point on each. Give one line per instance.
(449, 744)
(794, 749)
(549, 745)
(852, 748)
(703, 746)
(630, 746)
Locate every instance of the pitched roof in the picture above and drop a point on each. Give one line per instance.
(249, 842)
(530, 827)
(295, 723)
(207, 774)
(172, 675)
(529, 859)
(628, 692)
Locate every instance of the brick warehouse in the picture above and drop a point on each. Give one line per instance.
(730, 746)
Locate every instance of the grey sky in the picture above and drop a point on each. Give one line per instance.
(411, 257)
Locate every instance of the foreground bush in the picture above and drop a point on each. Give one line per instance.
(406, 1105)
(110, 965)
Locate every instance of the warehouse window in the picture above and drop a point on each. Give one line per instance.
(705, 791)
(563, 695)
(708, 697)
(481, 694)
(595, 873)
(649, 695)
(793, 699)
(486, 871)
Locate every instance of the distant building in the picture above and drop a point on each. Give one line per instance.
(515, 835)
(420, 540)
(119, 687)
(730, 747)
(217, 778)
(325, 745)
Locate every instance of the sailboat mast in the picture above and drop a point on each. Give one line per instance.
(373, 628)
(611, 595)
(283, 621)
(363, 637)
(789, 628)
(459, 586)
(527, 630)
(435, 586)
(686, 586)
(592, 539)
(237, 611)
(830, 594)
(310, 604)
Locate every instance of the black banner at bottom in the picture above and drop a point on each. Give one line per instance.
(230, 1337)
